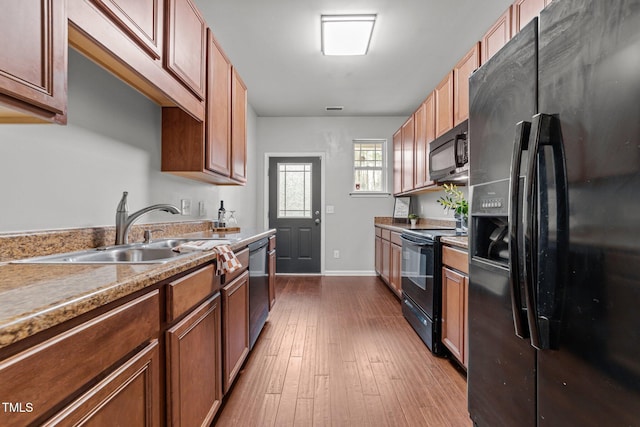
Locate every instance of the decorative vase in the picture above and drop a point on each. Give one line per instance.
(465, 224)
(414, 221)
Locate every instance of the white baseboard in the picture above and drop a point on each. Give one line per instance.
(349, 273)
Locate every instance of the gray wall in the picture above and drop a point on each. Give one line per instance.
(55, 176)
(350, 228)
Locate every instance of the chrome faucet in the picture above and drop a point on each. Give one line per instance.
(124, 220)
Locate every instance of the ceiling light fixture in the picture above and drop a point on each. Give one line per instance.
(346, 34)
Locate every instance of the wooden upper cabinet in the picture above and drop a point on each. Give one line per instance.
(420, 172)
(397, 162)
(461, 72)
(238, 128)
(408, 139)
(425, 133)
(141, 20)
(444, 105)
(213, 151)
(524, 11)
(33, 61)
(186, 41)
(497, 36)
(218, 128)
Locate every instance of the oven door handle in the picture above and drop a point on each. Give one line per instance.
(415, 243)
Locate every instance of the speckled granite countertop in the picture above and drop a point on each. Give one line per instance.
(35, 297)
(459, 241)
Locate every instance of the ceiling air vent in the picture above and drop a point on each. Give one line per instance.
(334, 108)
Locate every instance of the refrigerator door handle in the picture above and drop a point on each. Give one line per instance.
(516, 255)
(546, 231)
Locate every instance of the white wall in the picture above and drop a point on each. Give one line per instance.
(350, 228)
(55, 176)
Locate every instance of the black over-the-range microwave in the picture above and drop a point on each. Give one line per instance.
(449, 158)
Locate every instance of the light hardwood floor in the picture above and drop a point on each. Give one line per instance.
(337, 351)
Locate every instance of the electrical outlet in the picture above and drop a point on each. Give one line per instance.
(336, 254)
(185, 207)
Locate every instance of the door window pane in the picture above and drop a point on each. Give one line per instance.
(294, 190)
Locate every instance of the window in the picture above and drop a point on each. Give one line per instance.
(294, 190)
(369, 166)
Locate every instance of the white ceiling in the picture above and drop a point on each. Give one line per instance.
(275, 46)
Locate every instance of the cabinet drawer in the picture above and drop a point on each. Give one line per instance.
(378, 232)
(272, 243)
(186, 292)
(48, 373)
(395, 238)
(386, 234)
(243, 257)
(455, 258)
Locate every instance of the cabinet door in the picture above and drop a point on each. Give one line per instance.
(272, 278)
(497, 36)
(141, 20)
(378, 255)
(218, 127)
(128, 397)
(444, 105)
(420, 172)
(395, 275)
(524, 11)
(186, 41)
(238, 128)
(235, 321)
(33, 60)
(461, 72)
(386, 260)
(194, 389)
(453, 309)
(397, 162)
(408, 139)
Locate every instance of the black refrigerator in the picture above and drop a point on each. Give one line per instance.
(554, 278)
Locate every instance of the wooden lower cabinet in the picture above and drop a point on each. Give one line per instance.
(130, 396)
(194, 366)
(453, 309)
(395, 274)
(455, 294)
(68, 361)
(235, 333)
(388, 258)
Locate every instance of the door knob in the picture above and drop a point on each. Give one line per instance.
(317, 212)
(317, 221)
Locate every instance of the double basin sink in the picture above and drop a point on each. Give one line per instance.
(156, 252)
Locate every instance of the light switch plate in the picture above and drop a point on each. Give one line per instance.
(330, 209)
(185, 207)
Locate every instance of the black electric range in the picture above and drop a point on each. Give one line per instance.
(422, 282)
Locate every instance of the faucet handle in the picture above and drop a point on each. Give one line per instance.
(147, 234)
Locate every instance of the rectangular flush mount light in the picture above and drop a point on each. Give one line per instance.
(346, 34)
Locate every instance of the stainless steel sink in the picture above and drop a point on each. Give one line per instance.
(156, 252)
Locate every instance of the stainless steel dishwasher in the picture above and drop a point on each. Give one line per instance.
(258, 288)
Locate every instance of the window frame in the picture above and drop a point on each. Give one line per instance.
(384, 168)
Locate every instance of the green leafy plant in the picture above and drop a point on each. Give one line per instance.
(454, 200)
(413, 216)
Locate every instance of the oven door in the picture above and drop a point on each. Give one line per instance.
(417, 273)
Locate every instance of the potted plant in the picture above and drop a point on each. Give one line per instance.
(414, 219)
(454, 200)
